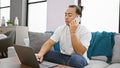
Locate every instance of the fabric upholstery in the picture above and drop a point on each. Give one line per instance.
(101, 44)
(102, 58)
(116, 50)
(6, 42)
(37, 40)
(115, 65)
(97, 64)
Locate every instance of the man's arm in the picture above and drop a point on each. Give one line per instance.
(78, 47)
(46, 47)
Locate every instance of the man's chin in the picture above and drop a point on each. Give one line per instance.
(67, 24)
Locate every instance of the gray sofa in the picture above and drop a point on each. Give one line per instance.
(6, 42)
(37, 39)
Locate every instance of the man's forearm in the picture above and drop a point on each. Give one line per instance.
(46, 47)
(77, 45)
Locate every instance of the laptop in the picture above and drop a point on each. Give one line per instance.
(27, 57)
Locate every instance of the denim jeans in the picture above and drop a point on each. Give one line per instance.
(74, 60)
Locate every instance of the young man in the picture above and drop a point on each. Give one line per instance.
(74, 41)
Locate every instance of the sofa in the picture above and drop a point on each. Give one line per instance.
(6, 41)
(98, 55)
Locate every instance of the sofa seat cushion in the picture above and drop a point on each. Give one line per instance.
(115, 65)
(101, 58)
(96, 64)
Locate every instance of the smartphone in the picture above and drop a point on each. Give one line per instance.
(77, 19)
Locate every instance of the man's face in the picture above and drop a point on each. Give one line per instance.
(70, 15)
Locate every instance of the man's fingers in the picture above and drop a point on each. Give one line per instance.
(37, 57)
(41, 59)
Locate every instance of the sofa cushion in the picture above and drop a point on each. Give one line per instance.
(96, 64)
(116, 65)
(37, 40)
(102, 58)
(116, 50)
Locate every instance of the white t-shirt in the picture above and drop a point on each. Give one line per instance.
(62, 34)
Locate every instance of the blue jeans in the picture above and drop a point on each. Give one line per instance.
(74, 60)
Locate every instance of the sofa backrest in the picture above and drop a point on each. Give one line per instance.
(37, 40)
(116, 49)
(101, 44)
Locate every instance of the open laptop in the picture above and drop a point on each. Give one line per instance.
(27, 57)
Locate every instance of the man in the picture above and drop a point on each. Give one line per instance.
(74, 41)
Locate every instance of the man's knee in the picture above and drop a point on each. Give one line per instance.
(77, 61)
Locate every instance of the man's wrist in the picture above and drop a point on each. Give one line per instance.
(41, 53)
(72, 33)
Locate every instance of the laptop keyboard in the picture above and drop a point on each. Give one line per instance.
(46, 64)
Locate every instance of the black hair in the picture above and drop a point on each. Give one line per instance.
(78, 9)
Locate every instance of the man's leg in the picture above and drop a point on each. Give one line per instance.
(56, 57)
(77, 61)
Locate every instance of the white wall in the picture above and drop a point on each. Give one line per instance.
(55, 14)
(101, 15)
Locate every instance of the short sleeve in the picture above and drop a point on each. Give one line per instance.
(56, 35)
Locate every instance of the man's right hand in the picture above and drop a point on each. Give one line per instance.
(39, 57)
(44, 49)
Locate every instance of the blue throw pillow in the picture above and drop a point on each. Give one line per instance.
(101, 45)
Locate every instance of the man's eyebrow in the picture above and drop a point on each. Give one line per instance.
(68, 13)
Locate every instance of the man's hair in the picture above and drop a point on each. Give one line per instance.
(78, 9)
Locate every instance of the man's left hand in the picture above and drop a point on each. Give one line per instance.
(73, 26)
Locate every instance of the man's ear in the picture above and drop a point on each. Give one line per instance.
(78, 15)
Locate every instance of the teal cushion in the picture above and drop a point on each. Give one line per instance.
(101, 44)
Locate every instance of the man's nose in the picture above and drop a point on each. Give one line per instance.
(66, 17)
